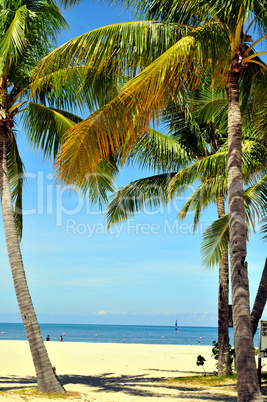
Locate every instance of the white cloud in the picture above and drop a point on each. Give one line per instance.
(101, 312)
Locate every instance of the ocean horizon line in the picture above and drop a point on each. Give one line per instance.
(115, 325)
(106, 333)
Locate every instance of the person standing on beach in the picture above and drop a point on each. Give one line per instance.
(61, 338)
(48, 338)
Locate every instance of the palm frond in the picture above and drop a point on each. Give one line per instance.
(99, 184)
(49, 21)
(216, 237)
(206, 168)
(14, 41)
(123, 47)
(188, 132)
(129, 200)
(212, 107)
(112, 124)
(45, 127)
(75, 88)
(214, 240)
(264, 226)
(204, 195)
(158, 152)
(255, 199)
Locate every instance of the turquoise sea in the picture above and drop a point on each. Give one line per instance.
(120, 333)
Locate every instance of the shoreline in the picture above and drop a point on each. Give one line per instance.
(144, 334)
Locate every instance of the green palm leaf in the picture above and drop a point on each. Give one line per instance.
(45, 127)
(13, 42)
(216, 237)
(76, 88)
(126, 202)
(204, 169)
(211, 107)
(205, 194)
(99, 184)
(255, 199)
(162, 77)
(214, 240)
(158, 152)
(123, 47)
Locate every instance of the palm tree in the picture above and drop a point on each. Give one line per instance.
(141, 191)
(216, 37)
(202, 142)
(211, 110)
(27, 32)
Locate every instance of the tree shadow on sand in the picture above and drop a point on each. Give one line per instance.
(131, 385)
(12, 382)
(142, 386)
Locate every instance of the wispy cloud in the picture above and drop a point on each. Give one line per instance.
(103, 312)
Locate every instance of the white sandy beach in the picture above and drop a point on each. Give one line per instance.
(109, 372)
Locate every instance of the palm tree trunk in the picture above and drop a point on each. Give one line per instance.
(260, 300)
(247, 381)
(46, 378)
(224, 366)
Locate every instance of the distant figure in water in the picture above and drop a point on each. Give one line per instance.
(176, 329)
(61, 338)
(48, 338)
(198, 343)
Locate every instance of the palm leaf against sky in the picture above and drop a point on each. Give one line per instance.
(209, 172)
(44, 117)
(211, 107)
(138, 47)
(199, 131)
(101, 134)
(214, 240)
(123, 47)
(216, 237)
(157, 79)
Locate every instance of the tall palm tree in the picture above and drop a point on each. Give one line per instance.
(27, 32)
(217, 39)
(202, 142)
(141, 191)
(210, 110)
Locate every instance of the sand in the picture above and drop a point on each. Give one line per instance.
(112, 372)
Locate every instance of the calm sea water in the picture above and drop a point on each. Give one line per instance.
(119, 333)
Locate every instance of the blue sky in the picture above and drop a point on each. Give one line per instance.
(145, 271)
